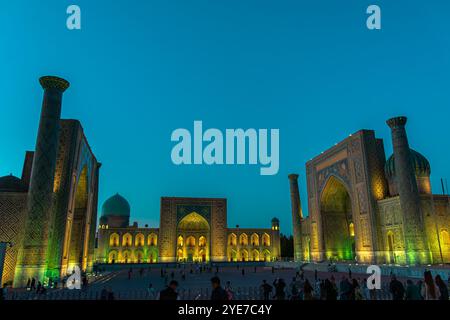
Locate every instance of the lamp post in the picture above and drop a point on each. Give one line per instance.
(3, 247)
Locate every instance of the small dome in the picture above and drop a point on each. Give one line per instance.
(12, 184)
(116, 206)
(275, 220)
(421, 165)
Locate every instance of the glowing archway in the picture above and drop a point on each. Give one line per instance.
(336, 213)
(254, 239)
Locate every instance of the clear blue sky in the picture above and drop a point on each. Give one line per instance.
(140, 69)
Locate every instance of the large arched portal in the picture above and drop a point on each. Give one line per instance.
(336, 213)
(76, 237)
(195, 229)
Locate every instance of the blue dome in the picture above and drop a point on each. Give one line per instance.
(420, 164)
(116, 206)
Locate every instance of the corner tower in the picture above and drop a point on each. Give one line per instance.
(297, 216)
(413, 225)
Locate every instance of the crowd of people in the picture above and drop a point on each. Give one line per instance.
(300, 287)
(347, 288)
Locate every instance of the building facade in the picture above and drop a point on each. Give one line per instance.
(49, 213)
(191, 230)
(365, 208)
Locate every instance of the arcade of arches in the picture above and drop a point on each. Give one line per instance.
(252, 246)
(193, 236)
(192, 230)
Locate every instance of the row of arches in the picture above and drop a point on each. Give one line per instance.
(244, 240)
(395, 248)
(128, 241)
(191, 241)
(249, 255)
(132, 256)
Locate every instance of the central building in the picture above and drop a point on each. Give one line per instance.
(191, 230)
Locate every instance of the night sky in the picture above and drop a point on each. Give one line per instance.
(141, 69)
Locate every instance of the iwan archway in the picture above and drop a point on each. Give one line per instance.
(193, 238)
(337, 221)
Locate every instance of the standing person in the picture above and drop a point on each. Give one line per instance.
(104, 294)
(307, 291)
(243, 271)
(365, 290)
(151, 292)
(315, 275)
(39, 287)
(110, 295)
(356, 290)
(396, 288)
(229, 290)
(349, 273)
(266, 289)
(294, 290)
(412, 291)
(429, 288)
(3, 293)
(318, 285)
(345, 288)
(170, 293)
(330, 290)
(279, 285)
(129, 273)
(218, 293)
(443, 290)
(33, 284)
(28, 284)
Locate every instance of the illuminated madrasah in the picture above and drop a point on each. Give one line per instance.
(191, 230)
(365, 208)
(50, 213)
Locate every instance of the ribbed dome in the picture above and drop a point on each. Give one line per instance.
(116, 206)
(420, 163)
(12, 184)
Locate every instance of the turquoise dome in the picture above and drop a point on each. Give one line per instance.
(116, 206)
(420, 164)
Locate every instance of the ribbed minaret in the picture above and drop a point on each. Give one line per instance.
(413, 226)
(296, 216)
(32, 259)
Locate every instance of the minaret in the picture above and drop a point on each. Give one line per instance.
(413, 225)
(296, 217)
(32, 259)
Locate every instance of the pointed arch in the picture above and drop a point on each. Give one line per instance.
(114, 240)
(254, 239)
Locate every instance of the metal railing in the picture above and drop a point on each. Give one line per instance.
(239, 293)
